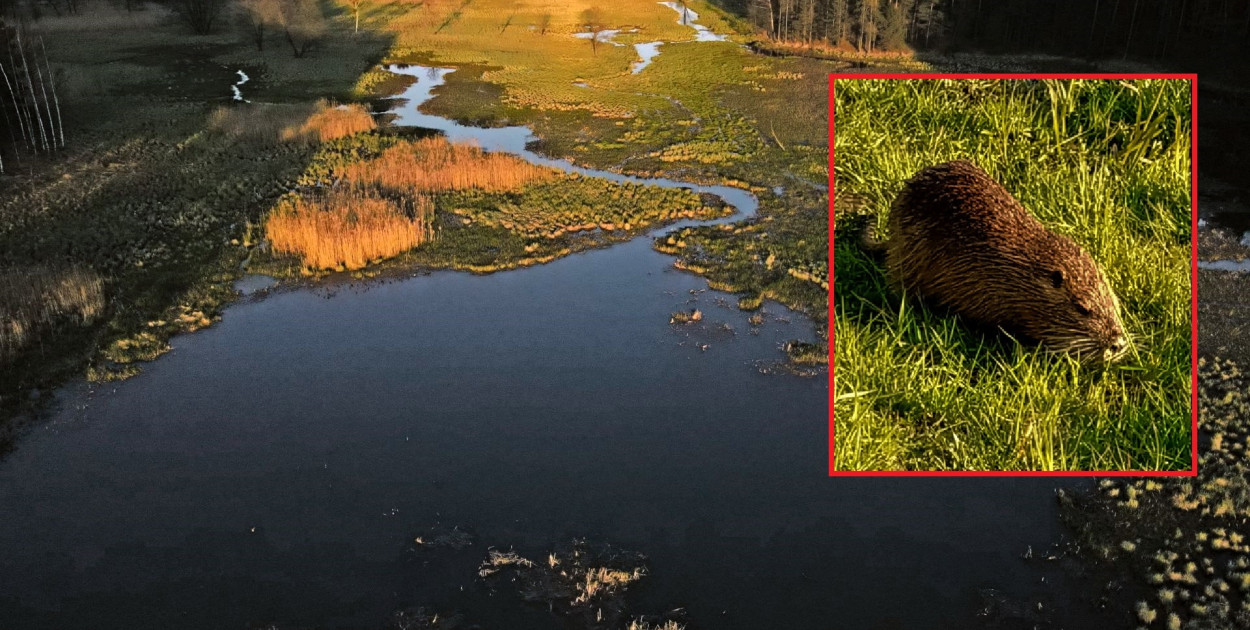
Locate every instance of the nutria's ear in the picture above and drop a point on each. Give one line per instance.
(1056, 278)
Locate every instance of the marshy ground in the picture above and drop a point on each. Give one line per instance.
(168, 187)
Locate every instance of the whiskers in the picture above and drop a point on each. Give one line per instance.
(1086, 348)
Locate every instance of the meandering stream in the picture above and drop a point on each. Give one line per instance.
(274, 467)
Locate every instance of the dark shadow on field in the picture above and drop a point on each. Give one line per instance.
(1224, 315)
(146, 194)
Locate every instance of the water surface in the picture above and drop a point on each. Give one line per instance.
(274, 467)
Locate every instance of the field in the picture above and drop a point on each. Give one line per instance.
(1104, 162)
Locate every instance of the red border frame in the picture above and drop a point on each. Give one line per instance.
(1193, 201)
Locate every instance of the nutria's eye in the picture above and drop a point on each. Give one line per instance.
(1080, 308)
(1056, 278)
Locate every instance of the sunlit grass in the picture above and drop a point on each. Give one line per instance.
(434, 164)
(1104, 162)
(288, 122)
(330, 122)
(345, 230)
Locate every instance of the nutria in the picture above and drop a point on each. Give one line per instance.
(959, 239)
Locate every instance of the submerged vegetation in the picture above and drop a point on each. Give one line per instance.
(1104, 162)
(584, 582)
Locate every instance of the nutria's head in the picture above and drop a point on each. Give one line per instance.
(1080, 314)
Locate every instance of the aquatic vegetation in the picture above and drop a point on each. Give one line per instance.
(1188, 550)
(686, 317)
(347, 230)
(490, 211)
(422, 619)
(642, 624)
(582, 581)
(35, 300)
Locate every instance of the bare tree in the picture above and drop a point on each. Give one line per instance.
(592, 21)
(200, 15)
(302, 24)
(260, 15)
(544, 22)
(31, 98)
(356, 6)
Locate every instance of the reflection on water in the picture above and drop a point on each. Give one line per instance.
(647, 52)
(686, 16)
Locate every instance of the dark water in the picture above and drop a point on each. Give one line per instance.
(274, 468)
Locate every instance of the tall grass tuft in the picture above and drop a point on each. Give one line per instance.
(434, 164)
(330, 122)
(33, 299)
(281, 122)
(347, 230)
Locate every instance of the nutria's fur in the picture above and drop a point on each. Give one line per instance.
(959, 239)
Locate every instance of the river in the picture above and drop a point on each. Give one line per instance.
(275, 467)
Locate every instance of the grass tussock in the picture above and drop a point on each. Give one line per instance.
(331, 122)
(348, 230)
(583, 581)
(34, 299)
(1106, 163)
(434, 164)
(280, 122)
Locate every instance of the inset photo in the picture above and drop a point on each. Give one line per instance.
(1013, 262)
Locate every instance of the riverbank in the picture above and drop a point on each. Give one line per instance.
(152, 194)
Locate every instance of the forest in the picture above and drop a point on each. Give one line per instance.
(1149, 30)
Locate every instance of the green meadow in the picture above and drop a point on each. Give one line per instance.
(1104, 162)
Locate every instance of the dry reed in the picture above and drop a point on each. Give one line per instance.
(272, 122)
(35, 298)
(434, 164)
(329, 121)
(348, 230)
(261, 122)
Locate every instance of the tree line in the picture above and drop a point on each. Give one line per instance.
(1136, 29)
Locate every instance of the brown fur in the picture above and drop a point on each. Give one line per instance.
(959, 239)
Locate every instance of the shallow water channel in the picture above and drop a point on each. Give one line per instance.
(275, 467)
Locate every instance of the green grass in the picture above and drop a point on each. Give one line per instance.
(1104, 162)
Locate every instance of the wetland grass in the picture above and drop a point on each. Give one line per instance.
(348, 230)
(434, 164)
(34, 300)
(331, 122)
(267, 123)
